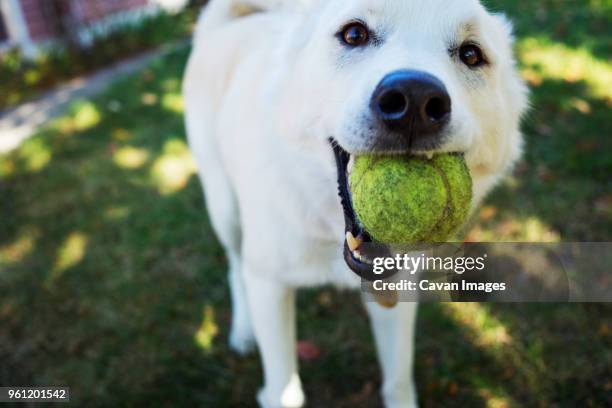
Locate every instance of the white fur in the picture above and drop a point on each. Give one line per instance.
(267, 84)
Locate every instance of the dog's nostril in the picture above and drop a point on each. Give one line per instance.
(392, 103)
(437, 109)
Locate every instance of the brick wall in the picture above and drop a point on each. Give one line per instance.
(91, 10)
(36, 19)
(38, 15)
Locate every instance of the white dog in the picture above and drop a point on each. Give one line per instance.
(271, 82)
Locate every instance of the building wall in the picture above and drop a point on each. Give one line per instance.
(37, 13)
(30, 24)
(92, 10)
(34, 15)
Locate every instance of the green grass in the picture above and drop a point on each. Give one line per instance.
(24, 79)
(112, 282)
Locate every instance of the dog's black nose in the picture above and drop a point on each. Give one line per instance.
(413, 103)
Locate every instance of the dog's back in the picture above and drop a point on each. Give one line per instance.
(219, 43)
(226, 32)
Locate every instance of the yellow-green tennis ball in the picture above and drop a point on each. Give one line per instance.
(407, 199)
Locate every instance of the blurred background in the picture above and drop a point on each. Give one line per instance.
(112, 283)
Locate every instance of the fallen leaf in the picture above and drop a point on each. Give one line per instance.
(545, 174)
(308, 350)
(363, 395)
(325, 298)
(148, 75)
(603, 204)
(521, 168)
(487, 213)
(586, 146)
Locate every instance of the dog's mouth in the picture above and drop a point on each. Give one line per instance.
(359, 248)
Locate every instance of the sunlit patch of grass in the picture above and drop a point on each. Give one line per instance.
(32, 76)
(534, 230)
(486, 329)
(7, 167)
(35, 154)
(173, 102)
(116, 213)
(514, 229)
(581, 106)
(546, 59)
(130, 157)
(121, 134)
(70, 253)
(82, 115)
(173, 168)
(21, 247)
(86, 115)
(493, 399)
(511, 343)
(149, 98)
(171, 85)
(207, 331)
(64, 125)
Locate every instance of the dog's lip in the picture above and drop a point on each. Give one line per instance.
(357, 259)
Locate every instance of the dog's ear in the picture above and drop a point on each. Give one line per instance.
(242, 9)
(506, 42)
(517, 88)
(499, 34)
(503, 141)
(506, 25)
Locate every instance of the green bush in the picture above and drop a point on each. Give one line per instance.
(21, 79)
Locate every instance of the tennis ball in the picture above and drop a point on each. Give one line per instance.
(408, 199)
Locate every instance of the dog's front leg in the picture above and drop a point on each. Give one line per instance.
(272, 307)
(394, 336)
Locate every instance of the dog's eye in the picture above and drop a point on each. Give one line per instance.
(471, 55)
(355, 34)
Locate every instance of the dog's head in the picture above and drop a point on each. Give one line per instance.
(418, 76)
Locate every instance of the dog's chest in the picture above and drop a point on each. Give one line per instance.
(292, 221)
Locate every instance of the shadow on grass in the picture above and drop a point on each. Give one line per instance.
(562, 185)
(566, 347)
(111, 281)
(563, 180)
(577, 23)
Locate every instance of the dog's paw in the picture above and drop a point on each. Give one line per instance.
(405, 397)
(402, 404)
(292, 397)
(241, 343)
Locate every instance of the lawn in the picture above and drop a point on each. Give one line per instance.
(112, 282)
(24, 79)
